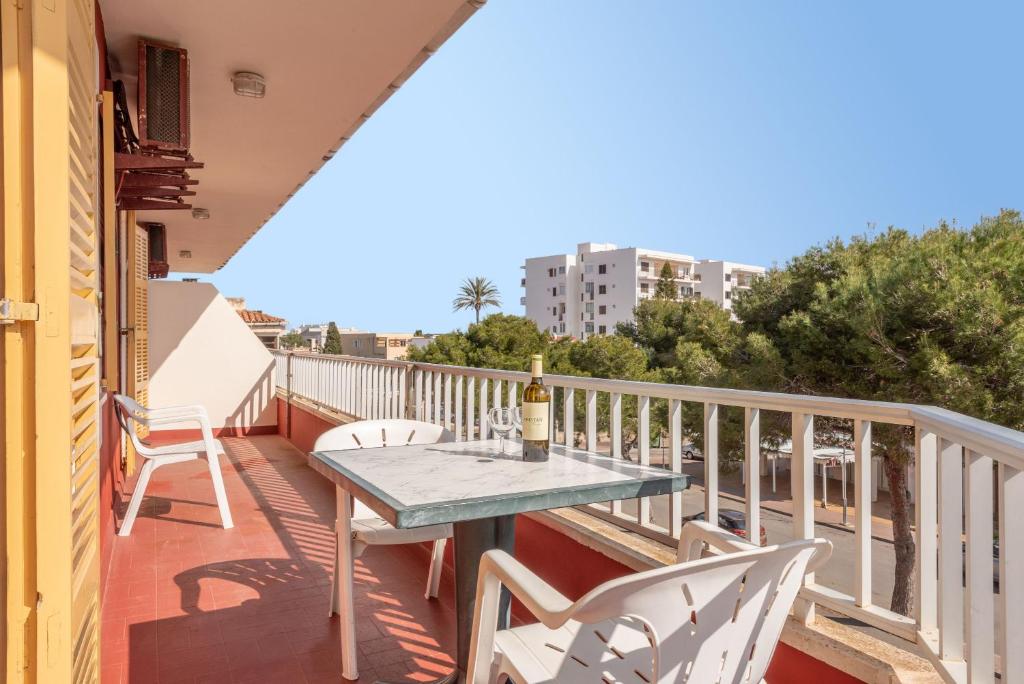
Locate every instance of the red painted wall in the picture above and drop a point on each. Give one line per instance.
(575, 569)
(111, 482)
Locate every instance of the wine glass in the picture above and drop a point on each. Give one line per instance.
(502, 421)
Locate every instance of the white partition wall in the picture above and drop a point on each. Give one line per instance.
(201, 352)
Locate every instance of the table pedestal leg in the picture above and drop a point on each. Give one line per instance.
(472, 539)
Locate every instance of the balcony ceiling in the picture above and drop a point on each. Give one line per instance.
(328, 65)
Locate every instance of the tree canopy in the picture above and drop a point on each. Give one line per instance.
(292, 340)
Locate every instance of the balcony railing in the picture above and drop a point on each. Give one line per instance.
(968, 485)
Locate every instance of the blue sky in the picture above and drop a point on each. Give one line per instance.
(743, 131)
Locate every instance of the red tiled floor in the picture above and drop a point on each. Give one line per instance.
(190, 602)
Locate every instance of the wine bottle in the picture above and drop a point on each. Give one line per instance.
(536, 402)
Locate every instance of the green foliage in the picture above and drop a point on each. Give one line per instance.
(499, 341)
(332, 343)
(476, 294)
(292, 340)
(666, 287)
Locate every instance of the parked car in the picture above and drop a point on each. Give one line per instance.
(732, 520)
(691, 451)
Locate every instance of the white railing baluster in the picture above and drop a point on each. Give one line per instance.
(513, 391)
(1011, 570)
(802, 486)
(711, 463)
(470, 408)
(643, 411)
(616, 428)
(497, 393)
(485, 428)
(551, 416)
(675, 438)
(438, 397)
(428, 391)
(951, 553)
(364, 393)
(862, 514)
(591, 420)
(568, 415)
(458, 408)
(449, 413)
(418, 393)
(926, 508)
(980, 604)
(752, 465)
(403, 393)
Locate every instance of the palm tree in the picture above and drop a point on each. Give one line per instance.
(476, 293)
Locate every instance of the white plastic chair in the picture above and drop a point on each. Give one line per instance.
(710, 620)
(129, 412)
(368, 528)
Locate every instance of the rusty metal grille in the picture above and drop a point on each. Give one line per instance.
(163, 95)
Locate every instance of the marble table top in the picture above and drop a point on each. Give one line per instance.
(428, 484)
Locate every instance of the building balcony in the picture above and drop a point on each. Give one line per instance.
(187, 600)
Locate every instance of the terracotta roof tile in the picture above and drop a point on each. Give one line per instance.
(258, 317)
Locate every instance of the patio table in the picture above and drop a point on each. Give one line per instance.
(480, 490)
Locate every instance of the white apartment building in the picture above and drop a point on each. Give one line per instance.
(589, 292)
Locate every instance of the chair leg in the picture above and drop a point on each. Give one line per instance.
(334, 607)
(436, 563)
(343, 585)
(136, 500)
(213, 461)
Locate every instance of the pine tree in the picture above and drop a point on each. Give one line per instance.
(666, 287)
(332, 345)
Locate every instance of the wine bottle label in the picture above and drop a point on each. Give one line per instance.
(535, 420)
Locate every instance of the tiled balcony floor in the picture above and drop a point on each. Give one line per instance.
(187, 601)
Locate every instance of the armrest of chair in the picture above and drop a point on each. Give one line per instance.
(539, 597)
(498, 569)
(696, 533)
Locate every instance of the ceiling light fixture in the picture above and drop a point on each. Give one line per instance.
(249, 84)
(200, 214)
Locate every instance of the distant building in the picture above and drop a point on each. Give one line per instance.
(314, 335)
(266, 327)
(590, 292)
(390, 346)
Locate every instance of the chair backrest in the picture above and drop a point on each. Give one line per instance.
(369, 434)
(129, 412)
(716, 619)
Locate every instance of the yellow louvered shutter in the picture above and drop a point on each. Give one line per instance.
(138, 320)
(84, 339)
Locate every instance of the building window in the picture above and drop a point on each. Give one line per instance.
(684, 273)
(602, 269)
(561, 289)
(589, 308)
(728, 295)
(551, 273)
(696, 277)
(588, 287)
(561, 270)
(554, 292)
(554, 328)
(643, 287)
(561, 327)
(589, 268)
(554, 311)
(561, 307)
(355, 343)
(602, 329)
(588, 327)
(602, 289)
(728, 277)
(645, 266)
(602, 309)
